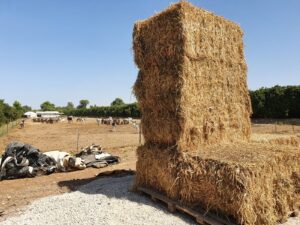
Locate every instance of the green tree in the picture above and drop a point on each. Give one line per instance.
(17, 105)
(7, 112)
(93, 106)
(258, 103)
(26, 108)
(276, 102)
(70, 105)
(292, 97)
(2, 116)
(83, 104)
(117, 102)
(17, 109)
(47, 106)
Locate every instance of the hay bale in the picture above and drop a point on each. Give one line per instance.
(150, 167)
(192, 80)
(249, 182)
(193, 95)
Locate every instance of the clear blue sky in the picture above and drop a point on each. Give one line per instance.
(67, 50)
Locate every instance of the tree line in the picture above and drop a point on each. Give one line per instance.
(125, 110)
(10, 113)
(276, 102)
(116, 109)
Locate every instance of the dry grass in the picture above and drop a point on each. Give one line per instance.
(276, 127)
(276, 139)
(276, 132)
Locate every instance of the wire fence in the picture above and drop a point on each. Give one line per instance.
(5, 129)
(276, 128)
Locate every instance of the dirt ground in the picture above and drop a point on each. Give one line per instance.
(63, 136)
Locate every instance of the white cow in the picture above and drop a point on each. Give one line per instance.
(64, 161)
(99, 121)
(136, 126)
(80, 119)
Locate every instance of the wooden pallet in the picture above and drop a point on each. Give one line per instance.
(201, 217)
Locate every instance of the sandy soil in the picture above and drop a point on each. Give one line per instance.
(63, 135)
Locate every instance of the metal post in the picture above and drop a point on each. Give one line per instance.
(140, 133)
(77, 140)
(293, 128)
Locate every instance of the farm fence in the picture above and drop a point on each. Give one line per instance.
(5, 128)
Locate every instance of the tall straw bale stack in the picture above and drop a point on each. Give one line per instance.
(251, 183)
(192, 80)
(195, 116)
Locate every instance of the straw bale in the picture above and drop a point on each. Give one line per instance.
(196, 110)
(252, 183)
(192, 80)
(151, 164)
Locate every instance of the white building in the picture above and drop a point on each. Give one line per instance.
(30, 114)
(48, 114)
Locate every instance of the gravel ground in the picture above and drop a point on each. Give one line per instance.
(104, 201)
(292, 221)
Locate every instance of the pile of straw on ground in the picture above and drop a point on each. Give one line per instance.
(195, 106)
(192, 79)
(276, 139)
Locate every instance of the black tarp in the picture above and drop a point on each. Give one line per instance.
(23, 160)
(94, 156)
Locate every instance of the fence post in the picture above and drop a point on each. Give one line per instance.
(140, 133)
(77, 139)
(4, 129)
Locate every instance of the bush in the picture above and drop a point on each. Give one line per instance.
(276, 102)
(124, 110)
(10, 113)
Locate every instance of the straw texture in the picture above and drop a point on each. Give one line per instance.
(196, 111)
(192, 81)
(251, 183)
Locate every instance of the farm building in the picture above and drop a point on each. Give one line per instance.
(48, 114)
(30, 115)
(192, 89)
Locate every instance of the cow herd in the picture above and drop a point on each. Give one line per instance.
(114, 121)
(46, 119)
(107, 121)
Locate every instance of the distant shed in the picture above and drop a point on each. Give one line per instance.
(48, 114)
(30, 115)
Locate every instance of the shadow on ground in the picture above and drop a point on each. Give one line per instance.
(75, 184)
(118, 184)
